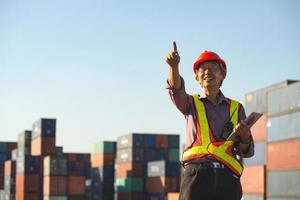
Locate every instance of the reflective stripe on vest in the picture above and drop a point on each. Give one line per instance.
(220, 150)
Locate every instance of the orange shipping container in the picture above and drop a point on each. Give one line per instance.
(27, 196)
(173, 196)
(162, 184)
(129, 170)
(9, 168)
(284, 155)
(259, 129)
(161, 141)
(76, 185)
(102, 159)
(43, 146)
(253, 179)
(27, 183)
(55, 185)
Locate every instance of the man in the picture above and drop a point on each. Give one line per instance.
(211, 170)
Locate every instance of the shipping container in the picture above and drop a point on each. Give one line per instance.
(7, 147)
(55, 165)
(253, 197)
(28, 164)
(24, 142)
(129, 184)
(27, 196)
(173, 196)
(10, 168)
(76, 185)
(162, 184)
(155, 196)
(283, 184)
(130, 140)
(9, 184)
(44, 127)
(162, 141)
(149, 154)
(43, 146)
(284, 155)
(104, 173)
(14, 154)
(173, 154)
(253, 179)
(259, 157)
(55, 198)
(129, 155)
(284, 127)
(129, 196)
(103, 159)
(129, 169)
(2, 194)
(163, 168)
(173, 141)
(257, 101)
(259, 129)
(55, 185)
(59, 151)
(10, 146)
(149, 141)
(105, 147)
(27, 183)
(81, 197)
(284, 100)
(4, 157)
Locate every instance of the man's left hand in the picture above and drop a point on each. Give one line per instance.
(243, 131)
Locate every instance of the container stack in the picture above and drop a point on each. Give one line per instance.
(28, 179)
(43, 143)
(134, 151)
(257, 179)
(283, 152)
(102, 171)
(43, 137)
(9, 179)
(254, 176)
(163, 178)
(78, 172)
(5, 154)
(55, 177)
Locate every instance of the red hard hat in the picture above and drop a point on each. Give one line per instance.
(207, 56)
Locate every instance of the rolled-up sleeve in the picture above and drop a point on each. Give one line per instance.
(250, 152)
(179, 97)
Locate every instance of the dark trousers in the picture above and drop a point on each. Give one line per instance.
(200, 182)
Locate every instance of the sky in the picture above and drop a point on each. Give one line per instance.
(98, 66)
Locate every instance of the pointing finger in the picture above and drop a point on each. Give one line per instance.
(174, 47)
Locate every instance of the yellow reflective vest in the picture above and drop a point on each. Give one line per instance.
(206, 145)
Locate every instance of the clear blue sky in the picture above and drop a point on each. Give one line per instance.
(98, 66)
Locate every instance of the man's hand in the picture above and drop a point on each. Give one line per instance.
(243, 131)
(173, 58)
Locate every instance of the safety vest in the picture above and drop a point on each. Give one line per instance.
(206, 145)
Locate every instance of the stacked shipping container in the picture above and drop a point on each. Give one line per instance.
(258, 169)
(27, 169)
(163, 178)
(133, 152)
(78, 173)
(55, 177)
(9, 179)
(5, 154)
(103, 171)
(283, 149)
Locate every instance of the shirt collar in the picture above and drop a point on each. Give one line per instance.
(220, 97)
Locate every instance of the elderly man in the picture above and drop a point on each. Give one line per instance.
(211, 170)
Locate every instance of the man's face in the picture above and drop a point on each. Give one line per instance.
(209, 74)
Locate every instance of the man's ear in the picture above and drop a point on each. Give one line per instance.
(196, 76)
